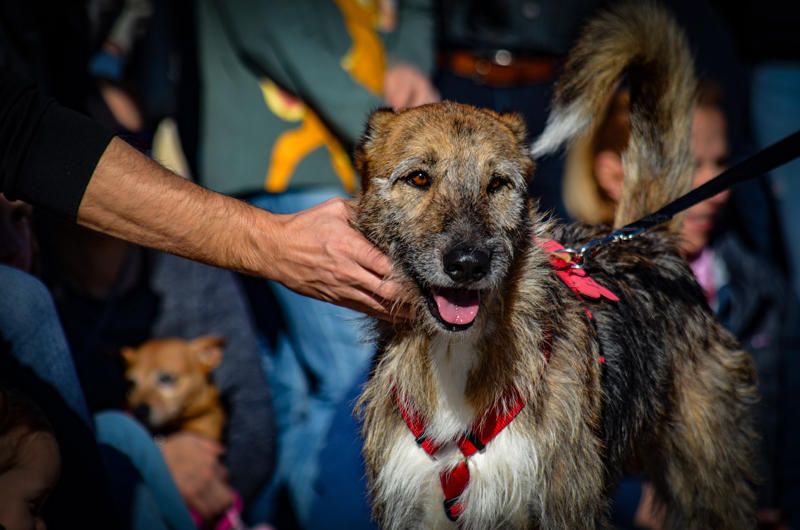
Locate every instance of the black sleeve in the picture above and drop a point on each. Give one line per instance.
(47, 152)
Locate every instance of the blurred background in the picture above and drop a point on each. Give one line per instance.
(263, 100)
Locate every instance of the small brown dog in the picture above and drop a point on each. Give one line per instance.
(171, 388)
(514, 399)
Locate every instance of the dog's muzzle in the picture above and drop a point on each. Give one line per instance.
(456, 306)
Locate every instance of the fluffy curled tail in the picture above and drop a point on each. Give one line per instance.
(641, 43)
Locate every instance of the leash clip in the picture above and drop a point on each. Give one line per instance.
(574, 257)
(578, 256)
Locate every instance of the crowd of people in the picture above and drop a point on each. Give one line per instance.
(241, 230)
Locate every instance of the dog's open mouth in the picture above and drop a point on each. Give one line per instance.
(455, 308)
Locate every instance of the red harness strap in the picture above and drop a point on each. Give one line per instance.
(455, 480)
(575, 277)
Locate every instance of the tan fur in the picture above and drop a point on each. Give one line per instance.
(549, 469)
(562, 410)
(190, 404)
(641, 35)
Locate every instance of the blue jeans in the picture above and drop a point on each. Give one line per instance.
(29, 322)
(149, 494)
(35, 359)
(341, 500)
(776, 113)
(318, 355)
(92, 483)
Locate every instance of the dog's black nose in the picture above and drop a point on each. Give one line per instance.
(466, 264)
(142, 412)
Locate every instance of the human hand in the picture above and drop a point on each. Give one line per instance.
(649, 514)
(324, 257)
(405, 87)
(201, 479)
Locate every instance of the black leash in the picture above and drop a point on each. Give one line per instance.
(760, 163)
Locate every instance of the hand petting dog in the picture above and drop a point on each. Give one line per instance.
(325, 258)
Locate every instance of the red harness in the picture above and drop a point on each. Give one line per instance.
(575, 277)
(455, 480)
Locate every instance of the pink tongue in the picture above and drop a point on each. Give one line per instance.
(457, 306)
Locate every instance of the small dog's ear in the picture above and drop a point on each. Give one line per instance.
(516, 123)
(129, 354)
(376, 126)
(208, 351)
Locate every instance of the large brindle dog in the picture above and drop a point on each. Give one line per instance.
(523, 387)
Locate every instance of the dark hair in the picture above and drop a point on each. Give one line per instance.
(18, 412)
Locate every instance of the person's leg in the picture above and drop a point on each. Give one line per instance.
(329, 346)
(35, 359)
(341, 500)
(290, 401)
(776, 114)
(150, 496)
(30, 324)
(315, 363)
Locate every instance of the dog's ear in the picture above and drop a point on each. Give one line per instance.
(377, 125)
(129, 354)
(208, 351)
(516, 123)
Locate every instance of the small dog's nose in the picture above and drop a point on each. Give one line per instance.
(465, 264)
(142, 412)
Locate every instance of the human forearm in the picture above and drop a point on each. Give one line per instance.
(413, 41)
(315, 252)
(131, 197)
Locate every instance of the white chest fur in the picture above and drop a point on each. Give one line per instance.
(504, 478)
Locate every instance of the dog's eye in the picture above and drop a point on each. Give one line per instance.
(496, 184)
(419, 179)
(165, 379)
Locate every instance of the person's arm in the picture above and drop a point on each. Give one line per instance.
(49, 153)
(412, 41)
(315, 252)
(410, 48)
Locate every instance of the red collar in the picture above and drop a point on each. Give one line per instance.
(454, 481)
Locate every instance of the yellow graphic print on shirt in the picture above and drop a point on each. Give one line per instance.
(365, 62)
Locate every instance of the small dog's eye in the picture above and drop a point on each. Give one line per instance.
(130, 384)
(496, 184)
(165, 379)
(419, 179)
